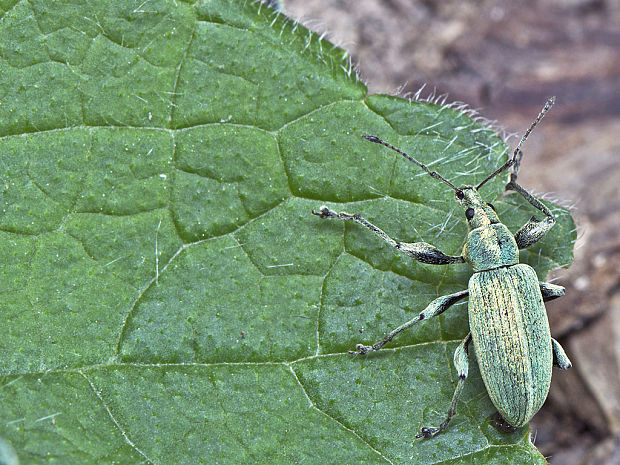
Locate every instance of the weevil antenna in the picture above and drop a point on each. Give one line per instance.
(517, 150)
(433, 174)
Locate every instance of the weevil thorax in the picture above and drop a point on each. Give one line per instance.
(489, 244)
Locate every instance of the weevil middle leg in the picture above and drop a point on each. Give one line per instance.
(436, 307)
(461, 363)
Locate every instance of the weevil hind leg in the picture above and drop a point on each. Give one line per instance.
(500, 424)
(560, 358)
(436, 307)
(551, 291)
(461, 363)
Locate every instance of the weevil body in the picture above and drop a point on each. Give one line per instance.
(507, 317)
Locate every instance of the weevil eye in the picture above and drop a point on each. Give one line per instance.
(491, 205)
(469, 213)
(459, 194)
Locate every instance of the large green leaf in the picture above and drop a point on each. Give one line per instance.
(167, 296)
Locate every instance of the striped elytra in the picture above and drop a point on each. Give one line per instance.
(512, 340)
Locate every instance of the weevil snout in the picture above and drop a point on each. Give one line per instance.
(477, 212)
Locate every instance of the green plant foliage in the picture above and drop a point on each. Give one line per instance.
(166, 294)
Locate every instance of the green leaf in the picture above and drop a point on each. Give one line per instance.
(167, 295)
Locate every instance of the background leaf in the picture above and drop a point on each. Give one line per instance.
(167, 296)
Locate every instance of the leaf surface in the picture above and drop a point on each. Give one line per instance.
(167, 296)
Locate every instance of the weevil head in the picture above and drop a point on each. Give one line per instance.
(477, 212)
(489, 243)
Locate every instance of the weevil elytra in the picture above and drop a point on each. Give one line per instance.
(507, 317)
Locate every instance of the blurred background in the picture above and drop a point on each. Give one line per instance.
(505, 58)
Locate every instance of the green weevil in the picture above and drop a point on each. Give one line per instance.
(507, 317)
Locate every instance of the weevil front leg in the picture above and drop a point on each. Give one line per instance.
(534, 229)
(436, 307)
(461, 363)
(420, 251)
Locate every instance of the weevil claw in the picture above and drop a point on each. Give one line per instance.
(323, 212)
(427, 433)
(361, 350)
